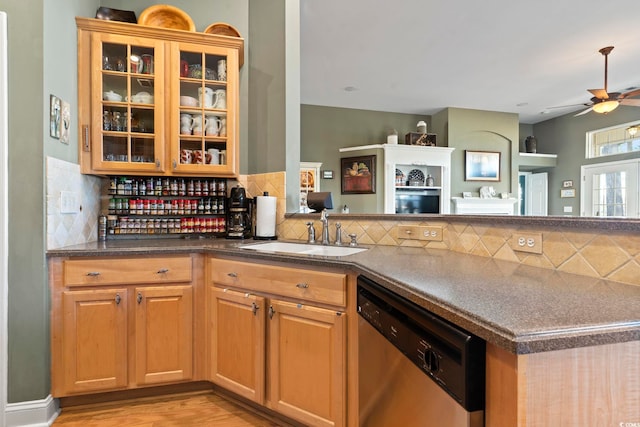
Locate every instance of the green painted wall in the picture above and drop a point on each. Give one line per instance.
(324, 130)
(566, 136)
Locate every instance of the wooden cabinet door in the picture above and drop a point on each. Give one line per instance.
(307, 368)
(163, 334)
(127, 104)
(237, 342)
(204, 109)
(94, 340)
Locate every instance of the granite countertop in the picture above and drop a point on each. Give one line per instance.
(520, 308)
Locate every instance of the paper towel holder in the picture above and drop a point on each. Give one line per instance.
(255, 222)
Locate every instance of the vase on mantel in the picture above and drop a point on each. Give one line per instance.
(530, 144)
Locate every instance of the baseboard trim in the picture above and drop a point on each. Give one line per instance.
(35, 413)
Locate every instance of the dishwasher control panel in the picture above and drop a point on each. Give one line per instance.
(449, 355)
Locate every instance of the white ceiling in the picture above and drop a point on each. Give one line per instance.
(420, 56)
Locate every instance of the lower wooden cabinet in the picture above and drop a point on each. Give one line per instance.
(288, 355)
(107, 337)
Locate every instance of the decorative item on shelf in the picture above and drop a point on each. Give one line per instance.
(110, 14)
(222, 29)
(400, 181)
(166, 16)
(392, 137)
(530, 144)
(430, 181)
(487, 192)
(422, 139)
(422, 126)
(416, 178)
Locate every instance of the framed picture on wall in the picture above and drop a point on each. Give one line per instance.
(482, 165)
(358, 175)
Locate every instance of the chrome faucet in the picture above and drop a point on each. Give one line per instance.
(338, 241)
(324, 218)
(311, 237)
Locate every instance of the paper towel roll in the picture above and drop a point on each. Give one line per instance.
(265, 217)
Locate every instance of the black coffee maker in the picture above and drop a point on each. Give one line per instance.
(239, 223)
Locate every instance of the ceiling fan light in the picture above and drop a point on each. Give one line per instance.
(605, 107)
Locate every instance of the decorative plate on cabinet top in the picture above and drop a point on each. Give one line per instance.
(222, 29)
(166, 16)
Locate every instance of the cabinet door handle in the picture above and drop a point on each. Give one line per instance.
(139, 298)
(232, 274)
(254, 308)
(302, 285)
(86, 146)
(157, 163)
(271, 312)
(118, 299)
(163, 270)
(93, 273)
(175, 164)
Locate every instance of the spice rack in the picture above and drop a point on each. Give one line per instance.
(163, 206)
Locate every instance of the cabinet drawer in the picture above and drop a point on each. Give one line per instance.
(108, 271)
(318, 286)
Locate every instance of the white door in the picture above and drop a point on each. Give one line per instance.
(610, 189)
(536, 194)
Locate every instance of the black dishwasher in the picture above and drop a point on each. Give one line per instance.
(416, 369)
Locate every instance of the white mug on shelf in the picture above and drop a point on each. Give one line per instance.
(186, 123)
(205, 97)
(198, 125)
(214, 154)
(213, 126)
(220, 101)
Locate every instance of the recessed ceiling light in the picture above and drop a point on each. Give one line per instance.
(350, 88)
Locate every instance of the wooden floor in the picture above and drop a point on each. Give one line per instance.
(193, 409)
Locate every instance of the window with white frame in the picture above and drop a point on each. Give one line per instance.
(618, 139)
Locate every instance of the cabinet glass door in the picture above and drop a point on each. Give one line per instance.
(205, 107)
(128, 104)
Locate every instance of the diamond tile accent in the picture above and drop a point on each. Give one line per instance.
(594, 254)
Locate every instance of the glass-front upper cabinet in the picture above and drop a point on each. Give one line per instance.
(127, 107)
(205, 109)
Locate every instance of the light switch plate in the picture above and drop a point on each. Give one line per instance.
(69, 202)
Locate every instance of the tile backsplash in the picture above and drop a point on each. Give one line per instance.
(64, 229)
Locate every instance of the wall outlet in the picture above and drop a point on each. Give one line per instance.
(420, 232)
(527, 242)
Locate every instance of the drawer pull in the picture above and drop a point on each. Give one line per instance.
(139, 298)
(163, 270)
(302, 285)
(254, 308)
(234, 275)
(271, 312)
(118, 299)
(93, 273)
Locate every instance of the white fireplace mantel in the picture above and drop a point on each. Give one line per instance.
(478, 206)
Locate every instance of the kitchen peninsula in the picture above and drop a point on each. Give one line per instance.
(549, 334)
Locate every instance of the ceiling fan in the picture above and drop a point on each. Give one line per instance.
(604, 102)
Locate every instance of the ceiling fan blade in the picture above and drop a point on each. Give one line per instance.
(583, 112)
(599, 93)
(630, 94)
(568, 106)
(630, 102)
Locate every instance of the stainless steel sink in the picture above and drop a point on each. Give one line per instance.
(303, 248)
